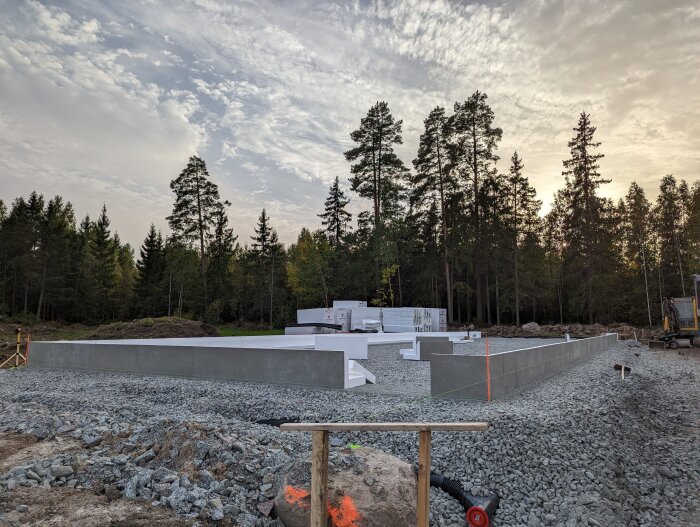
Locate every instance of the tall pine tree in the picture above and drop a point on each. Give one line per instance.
(432, 185)
(377, 170)
(195, 211)
(473, 144)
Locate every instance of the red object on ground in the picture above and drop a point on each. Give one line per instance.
(477, 517)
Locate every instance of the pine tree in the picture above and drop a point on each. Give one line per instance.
(524, 207)
(377, 170)
(472, 146)
(196, 208)
(335, 217)
(432, 184)
(104, 260)
(584, 218)
(149, 300)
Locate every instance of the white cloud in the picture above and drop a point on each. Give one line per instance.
(268, 93)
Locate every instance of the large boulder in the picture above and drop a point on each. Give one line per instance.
(366, 488)
(532, 327)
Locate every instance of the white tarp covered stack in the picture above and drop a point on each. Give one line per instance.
(406, 319)
(366, 318)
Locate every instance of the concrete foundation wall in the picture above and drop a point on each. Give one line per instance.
(269, 365)
(464, 376)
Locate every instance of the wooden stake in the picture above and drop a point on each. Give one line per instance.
(319, 479)
(19, 337)
(424, 440)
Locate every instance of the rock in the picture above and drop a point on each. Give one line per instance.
(33, 475)
(112, 492)
(11, 484)
(391, 501)
(60, 471)
(22, 508)
(91, 438)
(147, 456)
(664, 471)
(532, 327)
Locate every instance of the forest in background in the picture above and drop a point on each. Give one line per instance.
(452, 230)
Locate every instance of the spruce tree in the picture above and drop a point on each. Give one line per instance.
(432, 184)
(149, 300)
(266, 250)
(584, 223)
(335, 218)
(377, 170)
(220, 253)
(196, 208)
(104, 261)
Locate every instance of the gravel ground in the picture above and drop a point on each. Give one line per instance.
(583, 448)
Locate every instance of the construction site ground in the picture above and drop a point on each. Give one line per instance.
(582, 448)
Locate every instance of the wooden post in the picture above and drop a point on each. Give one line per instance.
(424, 439)
(319, 479)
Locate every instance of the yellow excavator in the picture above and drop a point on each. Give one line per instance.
(681, 315)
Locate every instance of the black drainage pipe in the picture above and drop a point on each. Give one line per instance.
(480, 511)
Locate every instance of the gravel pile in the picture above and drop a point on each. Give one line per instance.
(583, 448)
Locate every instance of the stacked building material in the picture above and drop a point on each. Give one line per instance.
(365, 317)
(438, 318)
(406, 319)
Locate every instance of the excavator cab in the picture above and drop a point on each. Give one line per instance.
(681, 316)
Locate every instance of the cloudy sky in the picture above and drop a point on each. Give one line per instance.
(105, 101)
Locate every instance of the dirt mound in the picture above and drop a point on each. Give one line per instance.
(574, 330)
(153, 328)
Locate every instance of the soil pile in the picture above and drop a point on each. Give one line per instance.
(153, 328)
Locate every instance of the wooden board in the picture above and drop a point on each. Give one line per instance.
(386, 427)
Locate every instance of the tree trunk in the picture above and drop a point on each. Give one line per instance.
(41, 291)
(26, 294)
(498, 298)
(488, 299)
(201, 246)
(517, 285)
(272, 286)
(646, 282)
(477, 227)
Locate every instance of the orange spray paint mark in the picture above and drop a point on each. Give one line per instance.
(345, 514)
(295, 496)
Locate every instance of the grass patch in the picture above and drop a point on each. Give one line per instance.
(227, 331)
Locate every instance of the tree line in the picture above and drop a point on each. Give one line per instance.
(453, 230)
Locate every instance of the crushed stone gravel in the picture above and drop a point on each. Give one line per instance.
(582, 448)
